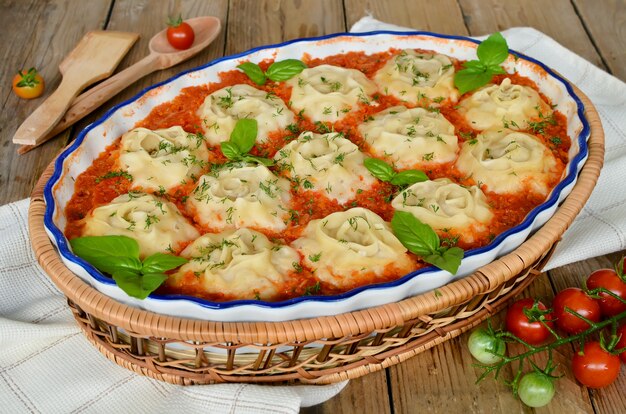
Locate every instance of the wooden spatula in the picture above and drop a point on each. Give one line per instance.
(94, 58)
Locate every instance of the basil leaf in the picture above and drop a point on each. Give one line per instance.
(106, 245)
(285, 69)
(268, 162)
(379, 169)
(493, 50)
(230, 150)
(409, 177)
(139, 286)
(160, 262)
(244, 134)
(475, 64)
(469, 79)
(491, 53)
(416, 236)
(254, 72)
(448, 259)
(496, 70)
(108, 254)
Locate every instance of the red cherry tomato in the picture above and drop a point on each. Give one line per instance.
(180, 34)
(595, 368)
(608, 279)
(622, 342)
(578, 301)
(518, 323)
(28, 84)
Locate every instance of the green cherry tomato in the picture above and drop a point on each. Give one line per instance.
(485, 347)
(535, 389)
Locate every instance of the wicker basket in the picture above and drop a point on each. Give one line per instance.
(318, 350)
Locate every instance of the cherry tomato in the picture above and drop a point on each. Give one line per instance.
(622, 342)
(608, 279)
(28, 84)
(519, 325)
(485, 347)
(595, 368)
(578, 301)
(535, 389)
(180, 34)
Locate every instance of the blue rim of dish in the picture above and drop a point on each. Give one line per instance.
(64, 250)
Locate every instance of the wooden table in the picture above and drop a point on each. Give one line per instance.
(40, 33)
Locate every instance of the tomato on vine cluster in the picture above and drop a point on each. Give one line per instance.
(587, 318)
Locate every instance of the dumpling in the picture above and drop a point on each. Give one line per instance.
(242, 263)
(221, 110)
(443, 204)
(241, 196)
(410, 137)
(162, 159)
(329, 163)
(327, 93)
(508, 161)
(505, 105)
(411, 76)
(345, 248)
(157, 225)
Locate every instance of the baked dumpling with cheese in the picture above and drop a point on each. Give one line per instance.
(503, 106)
(156, 224)
(241, 263)
(223, 108)
(508, 162)
(410, 138)
(348, 247)
(327, 93)
(162, 159)
(328, 163)
(241, 195)
(418, 78)
(443, 204)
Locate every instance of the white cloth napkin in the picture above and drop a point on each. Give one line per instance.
(46, 364)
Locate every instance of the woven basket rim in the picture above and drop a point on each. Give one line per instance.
(485, 279)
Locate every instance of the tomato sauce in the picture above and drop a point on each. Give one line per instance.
(99, 184)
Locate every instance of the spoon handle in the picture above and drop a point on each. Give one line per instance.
(40, 122)
(87, 102)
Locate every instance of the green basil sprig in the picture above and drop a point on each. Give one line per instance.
(491, 53)
(385, 172)
(241, 141)
(278, 71)
(422, 240)
(119, 257)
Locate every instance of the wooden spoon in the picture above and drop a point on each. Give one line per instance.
(94, 58)
(162, 56)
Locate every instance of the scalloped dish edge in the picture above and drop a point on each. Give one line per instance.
(95, 137)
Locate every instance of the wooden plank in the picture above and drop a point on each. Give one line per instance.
(607, 26)
(556, 18)
(148, 18)
(257, 23)
(610, 399)
(365, 395)
(443, 379)
(417, 14)
(32, 39)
